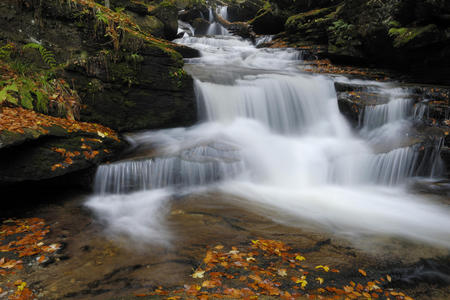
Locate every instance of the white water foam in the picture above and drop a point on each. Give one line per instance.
(282, 148)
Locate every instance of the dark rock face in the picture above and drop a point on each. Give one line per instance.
(406, 34)
(244, 11)
(189, 14)
(267, 22)
(141, 87)
(140, 84)
(200, 25)
(168, 14)
(36, 159)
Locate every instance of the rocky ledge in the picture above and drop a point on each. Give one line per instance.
(85, 64)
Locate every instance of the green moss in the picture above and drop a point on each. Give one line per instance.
(394, 24)
(167, 3)
(178, 76)
(316, 15)
(123, 72)
(403, 36)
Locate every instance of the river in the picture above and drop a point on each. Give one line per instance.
(271, 137)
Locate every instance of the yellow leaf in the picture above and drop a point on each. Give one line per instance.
(325, 268)
(319, 279)
(388, 278)
(198, 274)
(282, 272)
(21, 286)
(300, 258)
(102, 134)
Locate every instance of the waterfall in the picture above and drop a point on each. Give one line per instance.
(216, 28)
(196, 166)
(287, 104)
(273, 138)
(263, 39)
(186, 28)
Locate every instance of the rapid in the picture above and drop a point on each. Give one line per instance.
(271, 138)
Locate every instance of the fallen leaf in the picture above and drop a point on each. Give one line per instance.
(300, 258)
(362, 272)
(198, 274)
(325, 268)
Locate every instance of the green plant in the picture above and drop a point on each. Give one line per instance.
(135, 58)
(5, 93)
(341, 31)
(6, 51)
(101, 17)
(47, 56)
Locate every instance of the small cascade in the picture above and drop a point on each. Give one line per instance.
(186, 28)
(263, 39)
(196, 166)
(378, 115)
(216, 28)
(420, 111)
(222, 11)
(286, 104)
(394, 167)
(431, 164)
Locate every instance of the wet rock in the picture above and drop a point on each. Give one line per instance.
(190, 14)
(167, 13)
(36, 160)
(267, 22)
(242, 29)
(201, 26)
(150, 24)
(244, 11)
(353, 98)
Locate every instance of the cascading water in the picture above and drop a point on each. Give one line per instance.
(216, 28)
(274, 139)
(185, 28)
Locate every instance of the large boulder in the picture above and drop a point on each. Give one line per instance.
(201, 26)
(167, 12)
(244, 10)
(38, 147)
(267, 21)
(150, 24)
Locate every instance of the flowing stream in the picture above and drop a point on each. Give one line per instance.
(271, 137)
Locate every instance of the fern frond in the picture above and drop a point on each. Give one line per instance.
(47, 55)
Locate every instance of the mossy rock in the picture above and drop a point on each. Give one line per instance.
(267, 22)
(415, 37)
(294, 22)
(201, 26)
(149, 24)
(167, 13)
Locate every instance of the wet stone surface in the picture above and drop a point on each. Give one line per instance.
(93, 266)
